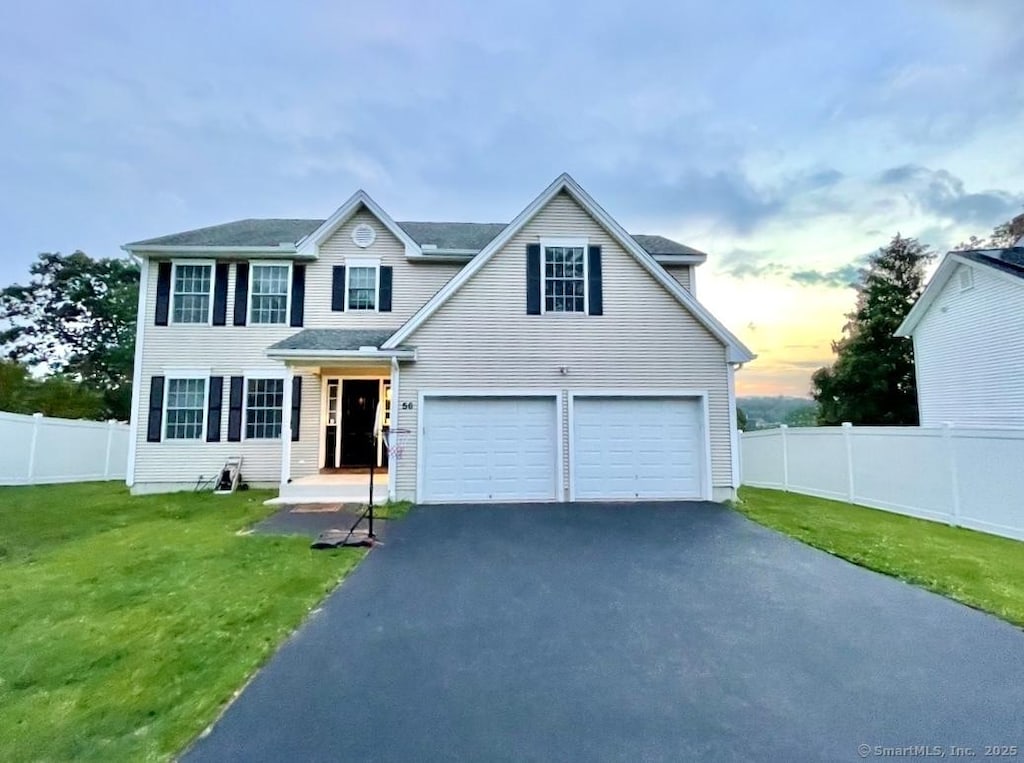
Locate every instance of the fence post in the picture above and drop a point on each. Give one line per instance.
(847, 439)
(110, 444)
(785, 457)
(954, 508)
(37, 420)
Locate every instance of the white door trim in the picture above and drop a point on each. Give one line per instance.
(512, 392)
(645, 392)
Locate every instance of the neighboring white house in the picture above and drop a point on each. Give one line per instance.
(968, 332)
(552, 358)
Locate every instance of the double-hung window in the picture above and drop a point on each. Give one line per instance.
(565, 276)
(193, 284)
(268, 300)
(264, 408)
(185, 409)
(361, 290)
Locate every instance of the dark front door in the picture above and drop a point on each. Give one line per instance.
(358, 411)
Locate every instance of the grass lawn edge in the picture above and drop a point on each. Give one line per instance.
(982, 571)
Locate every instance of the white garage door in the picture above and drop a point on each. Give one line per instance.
(627, 448)
(489, 449)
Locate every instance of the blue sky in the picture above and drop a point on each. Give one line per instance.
(787, 139)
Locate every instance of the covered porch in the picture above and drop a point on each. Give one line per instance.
(341, 410)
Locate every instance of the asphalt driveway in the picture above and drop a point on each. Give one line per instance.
(637, 632)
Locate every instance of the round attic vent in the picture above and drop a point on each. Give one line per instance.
(363, 235)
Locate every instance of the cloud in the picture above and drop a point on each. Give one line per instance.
(842, 277)
(944, 195)
(745, 263)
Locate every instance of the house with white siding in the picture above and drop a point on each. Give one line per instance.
(552, 358)
(967, 328)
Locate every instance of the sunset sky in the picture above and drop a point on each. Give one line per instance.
(788, 140)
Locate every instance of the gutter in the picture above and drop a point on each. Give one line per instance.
(371, 354)
(142, 249)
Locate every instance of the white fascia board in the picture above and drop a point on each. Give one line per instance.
(310, 245)
(737, 352)
(681, 259)
(244, 251)
(318, 355)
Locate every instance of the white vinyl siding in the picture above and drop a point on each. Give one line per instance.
(968, 353)
(413, 283)
(235, 350)
(644, 339)
(683, 275)
(191, 292)
(268, 294)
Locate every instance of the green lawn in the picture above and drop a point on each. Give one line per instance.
(127, 623)
(983, 571)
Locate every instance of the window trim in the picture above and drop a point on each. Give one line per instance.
(257, 375)
(186, 375)
(565, 241)
(212, 264)
(253, 264)
(363, 262)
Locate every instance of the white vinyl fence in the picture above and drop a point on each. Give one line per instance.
(36, 450)
(967, 477)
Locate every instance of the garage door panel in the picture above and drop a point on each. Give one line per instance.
(637, 447)
(489, 449)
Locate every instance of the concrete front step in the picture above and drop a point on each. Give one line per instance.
(325, 490)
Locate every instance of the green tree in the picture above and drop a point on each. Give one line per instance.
(14, 388)
(872, 379)
(76, 317)
(55, 395)
(804, 416)
(741, 419)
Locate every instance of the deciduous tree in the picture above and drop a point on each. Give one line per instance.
(76, 317)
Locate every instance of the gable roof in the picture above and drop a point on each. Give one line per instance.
(736, 351)
(466, 238)
(310, 244)
(1007, 263)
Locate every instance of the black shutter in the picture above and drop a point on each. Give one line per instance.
(220, 294)
(156, 409)
(384, 303)
(338, 289)
(296, 406)
(298, 293)
(235, 409)
(163, 292)
(533, 279)
(241, 292)
(595, 293)
(213, 406)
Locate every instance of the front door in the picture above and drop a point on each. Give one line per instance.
(358, 412)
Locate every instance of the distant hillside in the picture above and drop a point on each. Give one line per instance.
(768, 412)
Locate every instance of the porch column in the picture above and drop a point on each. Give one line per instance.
(286, 427)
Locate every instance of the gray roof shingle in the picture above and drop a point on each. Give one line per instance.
(471, 236)
(1006, 260)
(334, 339)
(271, 232)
